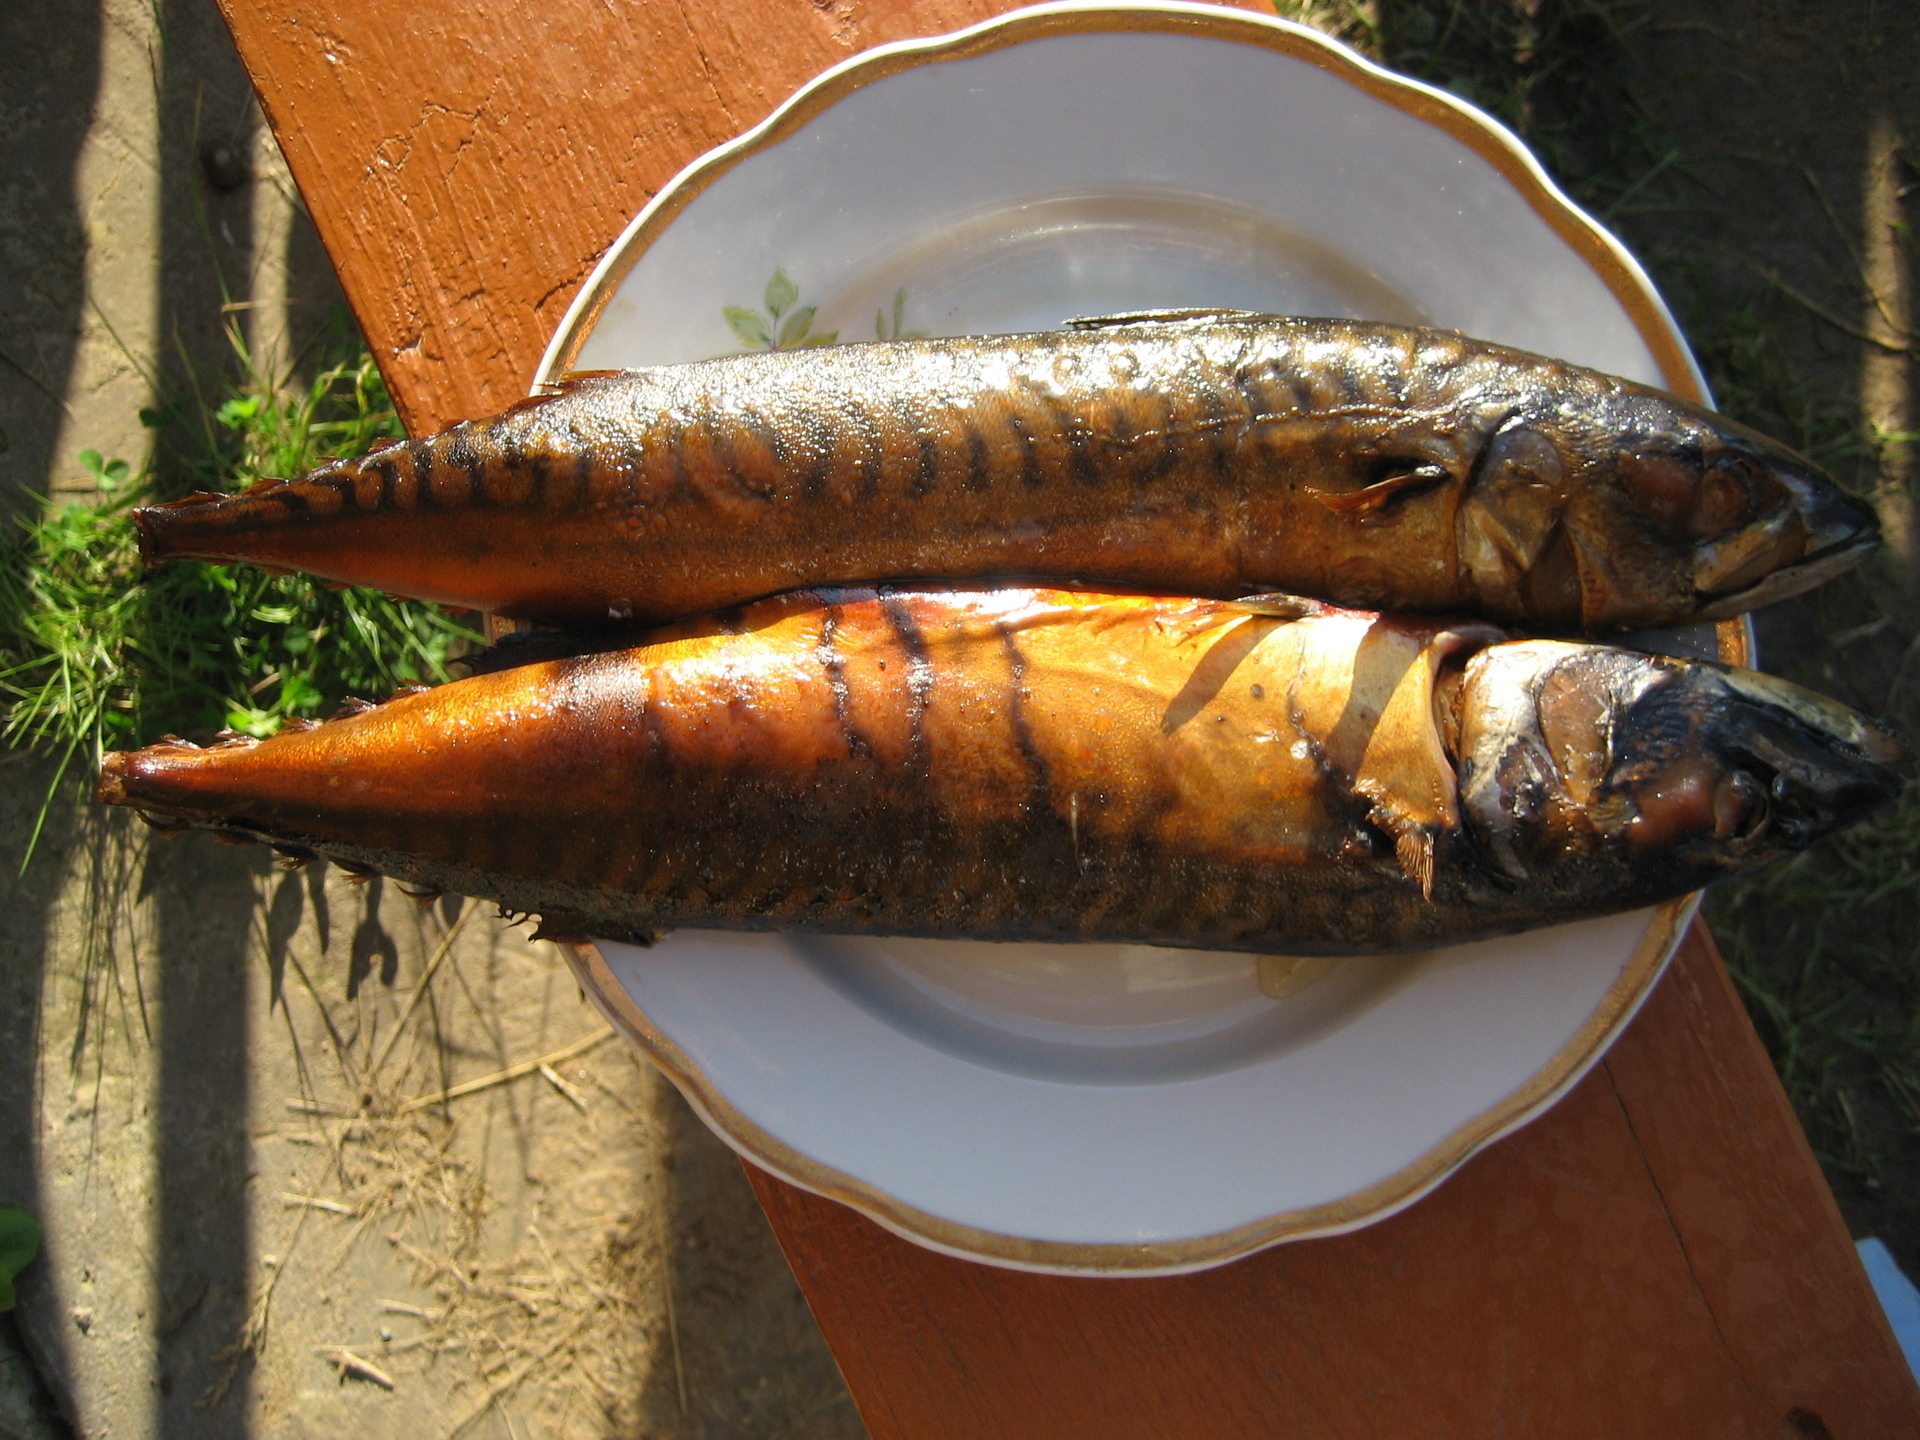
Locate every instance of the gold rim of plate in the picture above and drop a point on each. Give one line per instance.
(1630, 287)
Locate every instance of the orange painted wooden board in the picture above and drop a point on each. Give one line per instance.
(1657, 1256)
(466, 163)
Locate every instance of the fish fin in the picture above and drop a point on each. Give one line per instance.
(293, 857)
(1371, 500)
(1414, 850)
(168, 825)
(422, 898)
(260, 487)
(574, 379)
(527, 647)
(187, 502)
(1278, 606)
(1156, 317)
(546, 390)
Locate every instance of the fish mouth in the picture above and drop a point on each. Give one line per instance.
(1867, 740)
(1835, 531)
(112, 786)
(1813, 569)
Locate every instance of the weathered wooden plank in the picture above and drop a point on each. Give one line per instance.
(1764, 1240)
(467, 163)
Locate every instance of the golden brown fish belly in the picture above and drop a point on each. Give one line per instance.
(1000, 764)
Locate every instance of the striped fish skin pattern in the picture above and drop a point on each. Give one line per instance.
(1052, 765)
(1216, 454)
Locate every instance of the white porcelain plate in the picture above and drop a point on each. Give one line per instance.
(1099, 1108)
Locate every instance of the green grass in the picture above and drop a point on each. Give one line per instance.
(1826, 954)
(97, 653)
(19, 1243)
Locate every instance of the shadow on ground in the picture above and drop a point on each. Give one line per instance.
(49, 76)
(747, 1359)
(204, 910)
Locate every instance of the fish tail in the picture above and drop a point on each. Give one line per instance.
(164, 532)
(208, 526)
(112, 789)
(152, 548)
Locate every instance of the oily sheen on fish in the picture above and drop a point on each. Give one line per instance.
(1217, 454)
(1276, 776)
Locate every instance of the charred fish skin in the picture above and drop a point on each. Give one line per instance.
(1035, 765)
(1213, 454)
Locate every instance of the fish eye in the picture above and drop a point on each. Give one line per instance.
(1724, 500)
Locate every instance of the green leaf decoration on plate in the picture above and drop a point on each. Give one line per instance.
(795, 330)
(749, 325)
(896, 329)
(781, 293)
(19, 1243)
(763, 329)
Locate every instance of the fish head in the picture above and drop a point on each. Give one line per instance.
(1587, 771)
(1751, 520)
(1639, 509)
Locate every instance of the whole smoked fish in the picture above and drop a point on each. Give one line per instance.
(1211, 453)
(1036, 764)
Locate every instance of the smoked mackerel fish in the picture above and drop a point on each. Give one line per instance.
(1276, 775)
(1204, 453)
